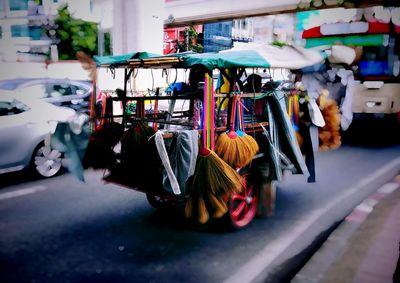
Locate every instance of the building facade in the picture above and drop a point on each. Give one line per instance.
(21, 21)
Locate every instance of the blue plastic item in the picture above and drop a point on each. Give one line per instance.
(374, 68)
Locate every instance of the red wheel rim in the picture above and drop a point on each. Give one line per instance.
(243, 206)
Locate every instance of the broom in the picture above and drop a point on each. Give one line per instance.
(213, 179)
(250, 145)
(228, 145)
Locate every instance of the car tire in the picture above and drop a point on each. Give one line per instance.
(46, 162)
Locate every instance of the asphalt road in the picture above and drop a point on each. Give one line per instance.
(61, 230)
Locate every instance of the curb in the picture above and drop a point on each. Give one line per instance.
(335, 245)
(281, 259)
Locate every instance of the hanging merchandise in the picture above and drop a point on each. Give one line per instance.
(329, 135)
(214, 180)
(140, 161)
(293, 113)
(285, 135)
(299, 114)
(249, 144)
(71, 138)
(182, 160)
(229, 146)
(99, 152)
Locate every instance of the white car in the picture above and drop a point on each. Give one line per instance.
(24, 125)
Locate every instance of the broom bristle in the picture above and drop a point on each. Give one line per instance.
(203, 215)
(213, 173)
(252, 143)
(233, 150)
(218, 204)
(213, 176)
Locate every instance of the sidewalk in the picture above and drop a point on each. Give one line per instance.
(365, 247)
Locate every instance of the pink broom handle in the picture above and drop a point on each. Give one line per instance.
(205, 126)
(233, 113)
(212, 110)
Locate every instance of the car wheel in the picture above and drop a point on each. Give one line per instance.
(46, 162)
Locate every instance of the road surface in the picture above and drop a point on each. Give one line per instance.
(62, 230)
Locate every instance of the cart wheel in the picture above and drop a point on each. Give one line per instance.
(243, 207)
(162, 201)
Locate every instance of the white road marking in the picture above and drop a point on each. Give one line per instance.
(22, 192)
(388, 188)
(249, 271)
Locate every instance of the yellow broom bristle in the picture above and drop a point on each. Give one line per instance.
(220, 177)
(222, 144)
(213, 176)
(252, 143)
(235, 151)
(203, 215)
(219, 206)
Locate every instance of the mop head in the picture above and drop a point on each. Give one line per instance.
(214, 180)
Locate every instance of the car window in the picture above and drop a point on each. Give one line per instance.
(36, 91)
(80, 90)
(12, 107)
(57, 90)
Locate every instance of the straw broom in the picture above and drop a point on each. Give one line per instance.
(248, 141)
(239, 153)
(213, 179)
(228, 144)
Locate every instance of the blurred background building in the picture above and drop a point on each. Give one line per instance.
(161, 26)
(21, 25)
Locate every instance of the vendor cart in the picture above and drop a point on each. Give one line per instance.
(212, 158)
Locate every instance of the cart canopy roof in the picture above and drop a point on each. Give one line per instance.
(225, 60)
(220, 60)
(242, 56)
(122, 59)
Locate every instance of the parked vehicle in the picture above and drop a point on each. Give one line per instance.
(74, 94)
(24, 125)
